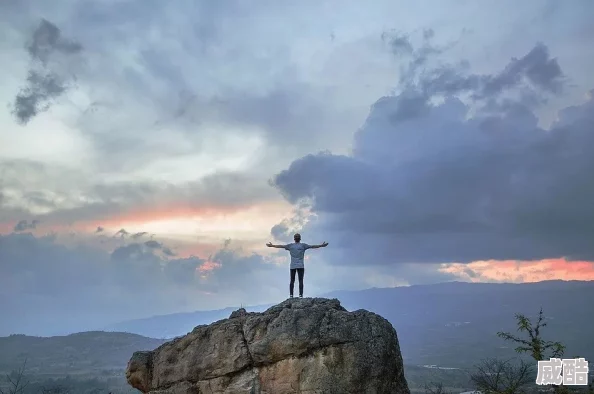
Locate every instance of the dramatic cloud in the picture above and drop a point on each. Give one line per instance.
(519, 272)
(454, 167)
(166, 123)
(122, 233)
(47, 39)
(424, 78)
(39, 191)
(285, 230)
(153, 244)
(24, 225)
(130, 281)
(46, 79)
(139, 235)
(168, 252)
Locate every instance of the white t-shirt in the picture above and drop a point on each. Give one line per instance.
(297, 251)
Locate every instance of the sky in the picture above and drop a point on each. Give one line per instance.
(149, 150)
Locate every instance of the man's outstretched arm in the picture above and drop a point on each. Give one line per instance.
(270, 245)
(322, 245)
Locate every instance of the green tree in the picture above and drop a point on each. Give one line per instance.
(537, 347)
(534, 344)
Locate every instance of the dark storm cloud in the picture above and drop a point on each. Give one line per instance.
(53, 282)
(122, 233)
(153, 244)
(36, 95)
(168, 252)
(531, 75)
(420, 79)
(40, 275)
(238, 271)
(139, 235)
(47, 39)
(536, 66)
(45, 81)
(46, 261)
(427, 184)
(24, 225)
(400, 45)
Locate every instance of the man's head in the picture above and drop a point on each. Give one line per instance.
(297, 237)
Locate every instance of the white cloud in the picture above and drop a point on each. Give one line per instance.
(195, 105)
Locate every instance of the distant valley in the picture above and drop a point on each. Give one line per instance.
(448, 325)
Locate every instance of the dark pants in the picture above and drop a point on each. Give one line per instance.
(300, 271)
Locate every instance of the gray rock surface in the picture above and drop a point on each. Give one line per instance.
(308, 346)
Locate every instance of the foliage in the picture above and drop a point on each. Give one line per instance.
(18, 383)
(534, 345)
(496, 376)
(87, 353)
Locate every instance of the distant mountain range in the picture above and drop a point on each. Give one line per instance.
(455, 324)
(443, 329)
(175, 324)
(86, 353)
(450, 324)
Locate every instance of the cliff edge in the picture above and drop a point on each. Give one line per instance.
(308, 346)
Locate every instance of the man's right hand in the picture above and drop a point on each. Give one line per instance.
(269, 244)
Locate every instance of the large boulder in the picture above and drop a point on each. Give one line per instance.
(309, 345)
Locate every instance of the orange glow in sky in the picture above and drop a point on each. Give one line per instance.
(521, 271)
(201, 230)
(208, 266)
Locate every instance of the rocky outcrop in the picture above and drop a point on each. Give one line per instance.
(309, 345)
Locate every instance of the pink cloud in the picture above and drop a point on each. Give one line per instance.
(521, 271)
(208, 266)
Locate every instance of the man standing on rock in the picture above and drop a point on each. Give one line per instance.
(297, 251)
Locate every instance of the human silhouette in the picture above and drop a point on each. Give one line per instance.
(297, 251)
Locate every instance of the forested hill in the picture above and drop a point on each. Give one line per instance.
(74, 354)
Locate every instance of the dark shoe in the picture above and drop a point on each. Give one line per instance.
(291, 296)
(300, 295)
